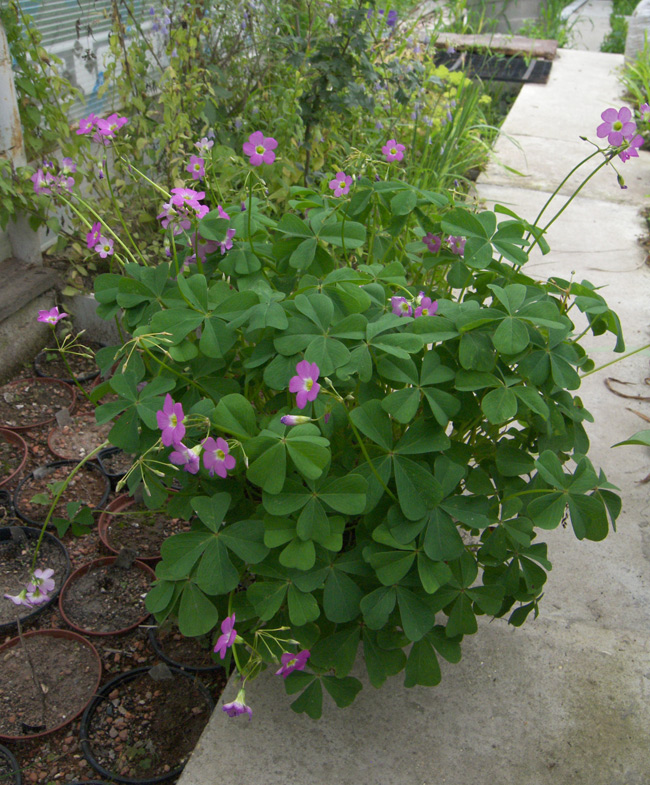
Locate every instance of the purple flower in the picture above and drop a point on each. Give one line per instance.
(93, 236)
(187, 197)
(226, 245)
(196, 167)
(68, 166)
(52, 316)
(401, 306)
(216, 458)
(456, 244)
(331, 20)
(644, 111)
(294, 419)
(186, 457)
(632, 150)
(227, 637)
(203, 145)
(222, 213)
(393, 151)
(292, 662)
(87, 124)
(42, 182)
(305, 384)
(341, 184)
(426, 307)
(618, 126)
(170, 421)
(391, 18)
(19, 599)
(41, 579)
(259, 148)
(432, 242)
(104, 247)
(108, 127)
(238, 706)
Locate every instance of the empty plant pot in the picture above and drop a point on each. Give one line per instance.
(31, 403)
(13, 454)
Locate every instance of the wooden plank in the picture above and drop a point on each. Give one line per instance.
(500, 42)
(21, 283)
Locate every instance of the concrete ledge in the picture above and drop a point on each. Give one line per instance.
(547, 704)
(22, 337)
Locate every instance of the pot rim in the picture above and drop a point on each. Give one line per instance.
(44, 380)
(35, 533)
(102, 694)
(69, 635)
(104, 561)
(15, 438)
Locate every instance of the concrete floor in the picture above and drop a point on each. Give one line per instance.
(564, 700)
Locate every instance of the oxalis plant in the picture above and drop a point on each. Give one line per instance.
(366, 408)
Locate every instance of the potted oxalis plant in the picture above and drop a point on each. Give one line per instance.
(367, 407)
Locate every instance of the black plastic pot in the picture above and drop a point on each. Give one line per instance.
(114, 477)
(40, 366)
(155, 645)
(101, 695)
(33, 534)
(16, 776)
(89, 466)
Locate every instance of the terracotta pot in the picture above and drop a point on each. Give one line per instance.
(100, 437)
(104, 692)
(33, 534)
(82, 571)
(97, 665)
(119, 504)
(45, 381)
(14, 438)
(15, 776)
(90, 466)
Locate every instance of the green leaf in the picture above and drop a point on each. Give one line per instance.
(245, 540)
(299, 554)
(303, 608)
(422, 436)
(422, 666)
(270, 469)
(235, 415)
(267, 597)
(532, 399)
(460, 221)
(216, 574)
(212, 509)
(345, 494)
(310, 455)
(462, 620)
(402, 404)
(304, 254)
(588, 517)
(417, 489)
(512, 461)
(403, 202)
(310, 701)
(499, 405)
(442, 542)
(342, 690)
(377, 606)
(640, 437)
(391, 566)
(433, 574)
(196, 614)
(373, 422)
(341, 597)
(417, 617)
(338, 651)
(159, 596)
(511, 336)
(343, 234)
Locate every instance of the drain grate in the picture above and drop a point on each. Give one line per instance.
(498, 68)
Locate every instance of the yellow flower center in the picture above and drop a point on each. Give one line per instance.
(309, 383)
(616, 126)
(220, 455)
(173, 420)
(260, 149)
(393, 151)
(425, 312)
